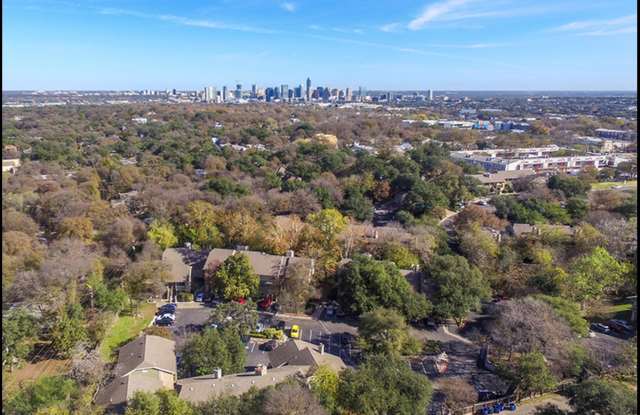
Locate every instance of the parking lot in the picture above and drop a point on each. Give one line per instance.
(191, 319)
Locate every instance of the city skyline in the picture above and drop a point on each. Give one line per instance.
(441, 45)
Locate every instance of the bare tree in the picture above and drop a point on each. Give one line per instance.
(526, 325)
(459, 393)
(291, 399)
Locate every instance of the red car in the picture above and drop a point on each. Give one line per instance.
(265, 303)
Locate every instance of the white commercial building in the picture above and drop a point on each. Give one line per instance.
(518, 159)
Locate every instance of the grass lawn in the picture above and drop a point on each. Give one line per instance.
(124, 329)
(608, 310)
(609, 185)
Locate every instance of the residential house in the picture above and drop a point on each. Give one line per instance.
(301, 353)
(203, 388)
(146, 364)
(185, 270)
(294, 358)
(499, 182)
(268, 267)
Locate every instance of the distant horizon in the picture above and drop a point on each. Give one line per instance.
(453, 45)
(627, 91)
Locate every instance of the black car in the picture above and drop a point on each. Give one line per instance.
(269, 346)
(167, 309)
(164, 322)
(280, 325)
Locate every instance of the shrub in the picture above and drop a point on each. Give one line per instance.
(159, 331)
(184, 296)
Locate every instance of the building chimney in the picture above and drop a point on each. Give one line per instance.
(261, 369)
(321, 348)
(187, 245)
(290, 254)
(217, 373)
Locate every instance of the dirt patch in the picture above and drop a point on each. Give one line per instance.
(34, 371)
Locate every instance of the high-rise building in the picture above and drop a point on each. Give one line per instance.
(284, 91)
(347, 96)
(268, 94)
(326, 94)
(238, 91)
(298, 92)
(430, 95)
(210, 94)
(254, 91)
(225, 94)
(308, 90)
(276, 92)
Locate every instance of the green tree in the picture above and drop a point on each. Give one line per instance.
(198, 225)
(601, 397)
(569, 311)
(235, 278)
(382, 331)
(569, 185)
(593, 275)
(233, 315)
(163, 234)
(45, 392)
(365, 284)
(213, 348)
(143, 403)
(383, 385)
(329, 221)
(577, 208)
(324, 384)
(532, 375)
(459, 286)
(399, 255)
(69, 330)
(18, 334)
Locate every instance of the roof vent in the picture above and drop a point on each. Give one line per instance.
(290, 254)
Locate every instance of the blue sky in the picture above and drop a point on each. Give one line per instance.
(390, 44)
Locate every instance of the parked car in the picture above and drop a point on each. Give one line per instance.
(265, 303)
(166, 315)
(199, 297)
(601, 328)
(280, 325)
(620, 326)
(259, 327)
(167, 308)
(269, 346)
(165, 322)
(295, 332)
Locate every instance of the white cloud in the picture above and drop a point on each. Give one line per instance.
(609, 27)
(624, 30)
(596, 24)
(436, 11)
(390, 27)
(336, 29)
(288, 6)
(473, 10)
(185, 21)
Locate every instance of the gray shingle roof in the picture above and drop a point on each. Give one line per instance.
(203, 388)
(147, 352)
